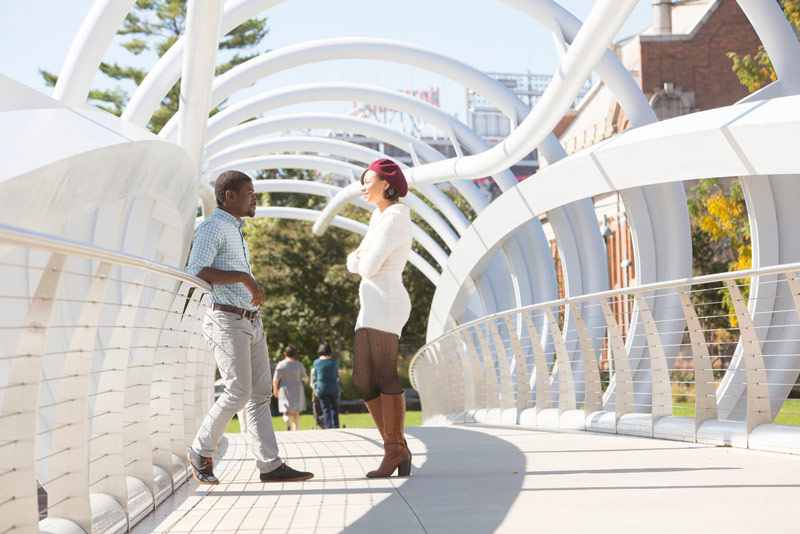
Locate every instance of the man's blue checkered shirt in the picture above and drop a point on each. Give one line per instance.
(219, 243)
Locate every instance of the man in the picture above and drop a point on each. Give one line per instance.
(235, 334)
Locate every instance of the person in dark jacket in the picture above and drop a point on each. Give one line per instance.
(325, 375)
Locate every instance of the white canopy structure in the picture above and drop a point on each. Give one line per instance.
(101, 354)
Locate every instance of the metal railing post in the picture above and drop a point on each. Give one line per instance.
(661, 403)
(68, 484)
(758, 405)
(566, 384)
(477, 372)
(18, 493)
(507, 398)
(524, 399)
(544, 398)
(622, 376)
(705, 396)
(490, 375)
(593, 398)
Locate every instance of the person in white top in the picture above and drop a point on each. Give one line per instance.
(385, 308)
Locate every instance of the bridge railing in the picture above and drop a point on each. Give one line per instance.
(104, 379)
(711, 359)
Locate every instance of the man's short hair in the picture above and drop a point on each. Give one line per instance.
(229, 181)
(324, 349)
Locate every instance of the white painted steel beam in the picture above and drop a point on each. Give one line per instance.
(350, 151)
(542, 274)
(332, 121)
(772, 213)
(199, 64)
(300, 214)
(376, 49)
(167, 70)
(335, 166)
(88, 48)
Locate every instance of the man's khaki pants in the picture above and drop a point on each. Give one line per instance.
(240, 348)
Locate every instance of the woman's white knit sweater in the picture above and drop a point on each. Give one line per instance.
(384, 252)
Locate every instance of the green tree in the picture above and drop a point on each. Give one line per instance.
(756, 71)
(153, 26)
(720, 242)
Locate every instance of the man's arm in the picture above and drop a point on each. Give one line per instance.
(220, 278)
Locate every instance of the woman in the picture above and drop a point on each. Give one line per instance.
(385, 308)
(287, 386)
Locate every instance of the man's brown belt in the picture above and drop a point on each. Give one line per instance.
(247, 314)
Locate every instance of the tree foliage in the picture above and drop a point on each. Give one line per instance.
(721, 242)
(720, 213)
(756, 70)
(153, 26)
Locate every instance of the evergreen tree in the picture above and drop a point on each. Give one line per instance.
(153, 26)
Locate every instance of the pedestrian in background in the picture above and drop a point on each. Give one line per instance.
(287, 385)
(326, 378)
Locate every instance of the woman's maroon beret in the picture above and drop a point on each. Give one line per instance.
(390, 171)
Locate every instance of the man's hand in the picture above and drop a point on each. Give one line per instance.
(255, 290)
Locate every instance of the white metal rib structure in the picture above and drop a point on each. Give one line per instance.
(104, 373)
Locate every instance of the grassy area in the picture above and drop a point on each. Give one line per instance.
(349, 420)
(789, 414)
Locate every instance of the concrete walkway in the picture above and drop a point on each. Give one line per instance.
(481, 479)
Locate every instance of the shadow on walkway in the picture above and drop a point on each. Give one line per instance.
(444, 493)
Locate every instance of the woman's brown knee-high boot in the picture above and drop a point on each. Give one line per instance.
(395, 451)
(376, 411)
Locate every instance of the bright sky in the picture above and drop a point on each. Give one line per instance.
(484, 33)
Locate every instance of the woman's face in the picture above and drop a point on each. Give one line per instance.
(373, 188)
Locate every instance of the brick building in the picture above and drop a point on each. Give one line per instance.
(681, 64)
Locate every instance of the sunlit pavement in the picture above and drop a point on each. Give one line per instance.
(480, 479)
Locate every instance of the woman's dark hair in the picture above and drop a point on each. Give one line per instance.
(389, 193)
(290, 352)
(324, 349)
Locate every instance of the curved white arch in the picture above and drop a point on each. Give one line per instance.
(540, 5)
(321, 164)
(88, 48)
(167, 70)
(540, 269)
(300, 214)
(589, 45)
(501, 96)
(779, 41)
(657, 214)
(350, 151)
(388, 50)
(773, 216)
(300, 186)
(746, 139)
(334, 121)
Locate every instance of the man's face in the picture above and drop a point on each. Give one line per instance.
(242, 203)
